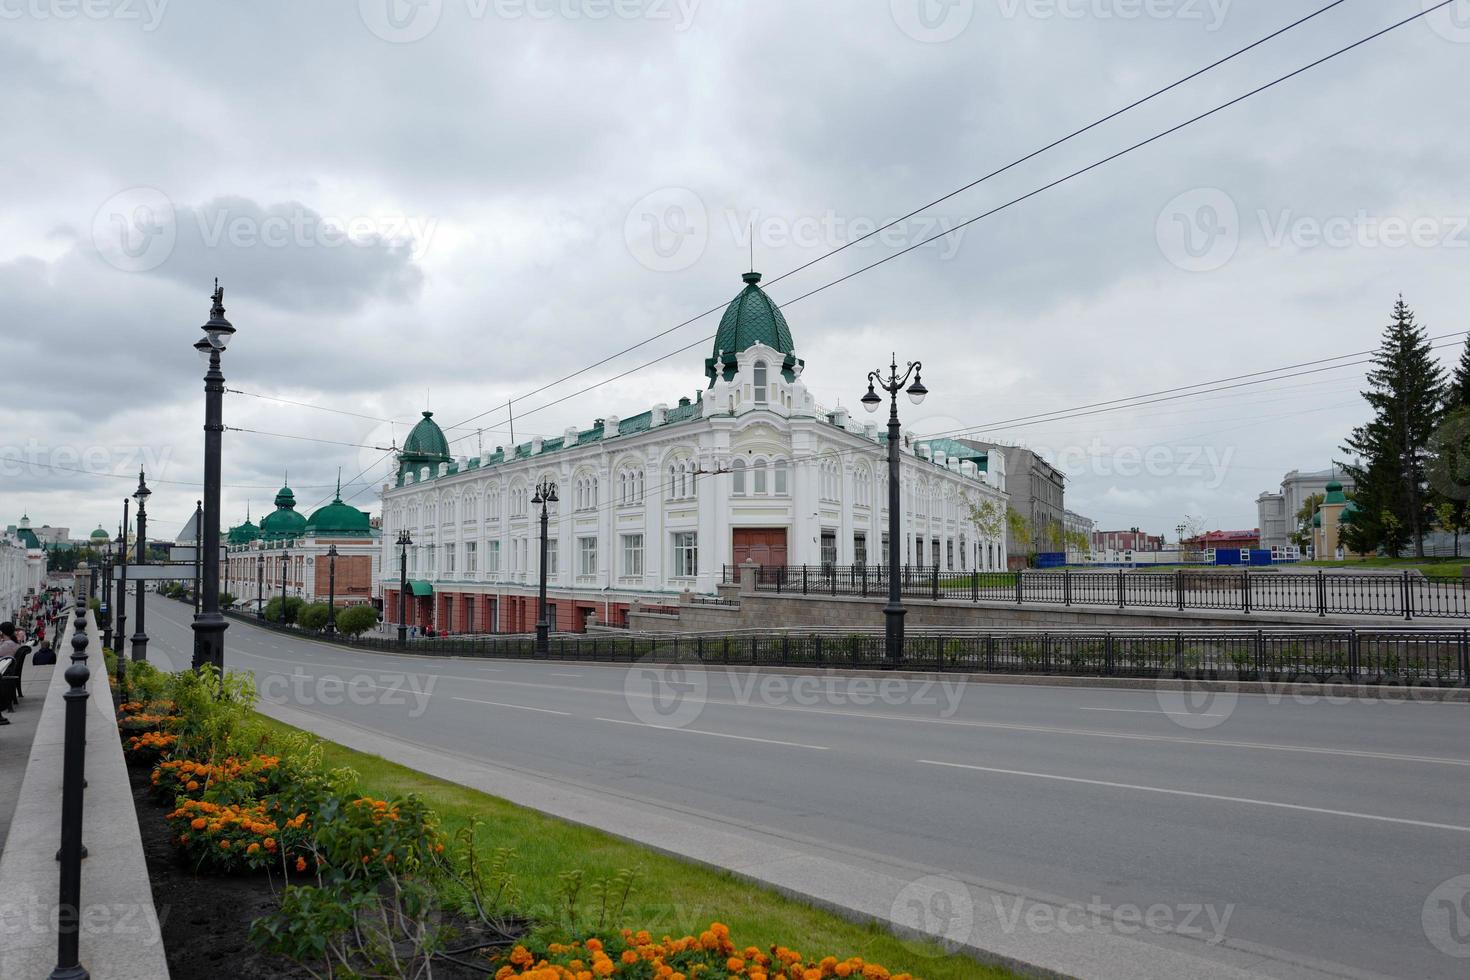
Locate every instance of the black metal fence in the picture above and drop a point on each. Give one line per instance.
(1406, 595)
(1439, 657)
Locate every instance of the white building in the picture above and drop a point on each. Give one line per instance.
(22, 567)
(751, 468)
(1079, 536)
(1277, 510)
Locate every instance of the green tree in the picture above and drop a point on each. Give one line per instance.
(1406, 390)
(1457, 393)
(1018, 527)
(1301, 535)
(226, 600)
(273, 609)
(313, 616)
(356, 620)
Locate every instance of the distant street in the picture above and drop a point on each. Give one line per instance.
(1310, 836)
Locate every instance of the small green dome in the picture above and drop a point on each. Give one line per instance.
(243, 533)
(750, 319)
(100, 536)
(1317, 519)
(1335, 494)
(339, 520)
(425, 446)
(283, 522)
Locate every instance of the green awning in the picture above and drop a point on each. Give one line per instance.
(418, 587)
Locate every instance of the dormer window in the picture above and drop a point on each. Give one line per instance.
(760, 382)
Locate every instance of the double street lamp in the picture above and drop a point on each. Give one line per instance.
(120, 655)
(545, 495)
(893, 612)
(403, 542)
(140, 638)
(209, 624)
(332, 589)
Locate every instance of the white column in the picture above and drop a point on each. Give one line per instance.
(654, 494)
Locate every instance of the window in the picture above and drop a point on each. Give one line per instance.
(429, 558)
(550, 556)
(471, 556)
(449, 559)
(885, 549)
(586, 556)
(492, 556)
(760, 382)
(737, 477)
(758, 475)
(860, 548)
(949, 553)
(783, 477)
(686, 554)
(829, 547)
(633, 555)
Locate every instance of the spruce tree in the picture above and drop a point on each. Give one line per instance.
(1406, 390)
(1457, 394)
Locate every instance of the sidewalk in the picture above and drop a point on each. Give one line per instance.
(17, 738)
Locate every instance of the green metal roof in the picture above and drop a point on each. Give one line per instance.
(1334, 494)
(750, 319)
(339, 520)
(425, 446)
(101, 535)
(283, 522)
(243, 533)
(419, 587)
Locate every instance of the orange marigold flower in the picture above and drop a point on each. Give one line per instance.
(301, 864)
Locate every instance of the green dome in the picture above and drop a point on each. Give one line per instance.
(243, 533)
(339, 520)
(283, 522)
(750, 319)
(425, 446)
(100, 536)
(1335, 494)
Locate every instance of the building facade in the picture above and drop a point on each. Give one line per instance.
(1079, 536)
(290, 551)
(656, 505)
(1277, 509)
(1037, 491)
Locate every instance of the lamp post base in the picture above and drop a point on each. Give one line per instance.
(403, 636)
(140, 646)
(893, 617)
(209, 641)
(543, 639)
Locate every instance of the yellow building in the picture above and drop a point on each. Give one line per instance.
(1327, 524)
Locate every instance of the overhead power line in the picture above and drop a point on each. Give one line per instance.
(993, 211)
(939, 200)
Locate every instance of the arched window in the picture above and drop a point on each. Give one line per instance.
(783, 477)
(760, 382)
(737, 477)
(758, 477)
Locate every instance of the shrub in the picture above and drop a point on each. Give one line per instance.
(313, 616)
(356, 620)
(273, 609)
(226, 600)
(235, 837)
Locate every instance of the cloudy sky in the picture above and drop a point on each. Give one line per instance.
(450, 203)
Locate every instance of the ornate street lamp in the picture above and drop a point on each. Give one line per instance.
(122, 602)
(545, 495)
(285, 563)
(332, 589)
(140, 638)
(107, 597)
(403, 542)
(894, 611)
(210, 625)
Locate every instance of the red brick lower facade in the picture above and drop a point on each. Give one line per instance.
(479, 612)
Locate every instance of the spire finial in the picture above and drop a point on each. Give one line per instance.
(339, 484)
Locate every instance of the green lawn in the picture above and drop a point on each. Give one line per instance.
(1429, 567)
(670, 896)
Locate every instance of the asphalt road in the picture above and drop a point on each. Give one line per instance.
(1319, 836)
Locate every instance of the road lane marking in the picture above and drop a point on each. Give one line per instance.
(554, 674)
(1203, 796)
(523, 707)
(696, 731)
(1159, 711)
(955, 722)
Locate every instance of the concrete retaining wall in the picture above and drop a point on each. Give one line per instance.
(770, 610)
(120, 938)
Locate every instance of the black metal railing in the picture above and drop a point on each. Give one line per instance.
(1407, 595)
(1424, 656)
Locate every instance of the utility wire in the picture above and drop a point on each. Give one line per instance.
(946, 232)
